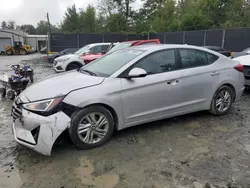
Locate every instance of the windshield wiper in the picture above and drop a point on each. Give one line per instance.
(87, 71)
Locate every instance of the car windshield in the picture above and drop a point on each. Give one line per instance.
(109, 64)
(64, 51)
(120, 46)
(82, 50)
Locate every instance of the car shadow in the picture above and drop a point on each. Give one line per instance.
(64, 142)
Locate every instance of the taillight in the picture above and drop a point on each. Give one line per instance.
(239, 67)
(231, 54)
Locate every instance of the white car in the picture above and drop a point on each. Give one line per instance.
(128, 87)
(242, 53)
(245, 61)
(73, 61)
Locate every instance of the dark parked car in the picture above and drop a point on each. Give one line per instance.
(220, 50)
(58, 54)
(242, 53)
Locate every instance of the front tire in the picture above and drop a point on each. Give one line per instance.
(23, 52)
(72, 66)
(222, 101)
(91, 127)
(9, 52)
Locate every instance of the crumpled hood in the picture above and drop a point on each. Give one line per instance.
(60, 84)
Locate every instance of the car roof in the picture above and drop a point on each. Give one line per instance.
(102, 43)
(142, 40)
(163, 46)
(214, 47)
(155, 47)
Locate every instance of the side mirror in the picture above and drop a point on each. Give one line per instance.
(103, 52)
(137, 73)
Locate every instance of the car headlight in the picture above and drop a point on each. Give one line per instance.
(43, 106)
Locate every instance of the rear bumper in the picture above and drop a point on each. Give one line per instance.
(239, 93)
(247, 82)
(38, 132)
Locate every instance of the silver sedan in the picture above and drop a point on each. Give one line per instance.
(128, 87)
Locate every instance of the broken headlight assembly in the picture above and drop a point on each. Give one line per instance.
(44, 107)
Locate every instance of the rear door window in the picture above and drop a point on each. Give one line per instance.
(193, 58)
(196, 58)
(211, 58)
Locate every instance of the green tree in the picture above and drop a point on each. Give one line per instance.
(3, 25)
(160, 16)
(107, 8)
(30, 29)
(71, 21)
(43, 28)
(11, 24)
(117, 23)
(88, 20)
(102, 23)
(222, 11)
(124, 7)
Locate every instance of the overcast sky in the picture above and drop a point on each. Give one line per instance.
(32, 11)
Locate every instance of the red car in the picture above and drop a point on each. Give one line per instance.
(87, 58)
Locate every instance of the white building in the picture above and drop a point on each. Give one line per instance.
(8, 37)
(37, 41)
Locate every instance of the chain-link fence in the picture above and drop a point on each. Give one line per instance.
(231, 39)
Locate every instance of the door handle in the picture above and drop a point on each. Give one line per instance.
(215, 73)
(173, 82)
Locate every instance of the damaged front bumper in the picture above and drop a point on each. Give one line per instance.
(38, 132)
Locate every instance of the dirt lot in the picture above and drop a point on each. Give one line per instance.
(194, 150)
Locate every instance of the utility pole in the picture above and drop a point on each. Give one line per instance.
(48, 34)
(48, 22)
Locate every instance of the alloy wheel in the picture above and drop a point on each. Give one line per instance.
(92, 128)
(223, 101)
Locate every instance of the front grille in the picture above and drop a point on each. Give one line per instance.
(246, 72)
(16, 110)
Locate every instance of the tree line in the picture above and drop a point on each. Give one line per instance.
(42, 27)
(153, 16)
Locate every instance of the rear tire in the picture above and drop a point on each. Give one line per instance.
(86, 132)
(23, 52)
(10, 95)
(72, 66)
(222, 101)
(9, 52)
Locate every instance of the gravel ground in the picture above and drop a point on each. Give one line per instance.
(196, 150)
